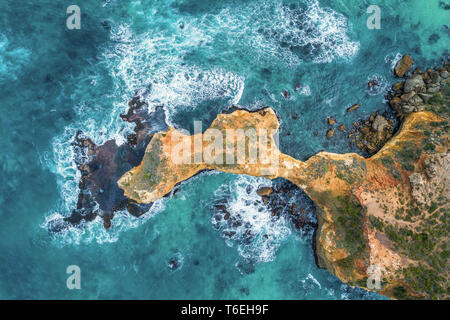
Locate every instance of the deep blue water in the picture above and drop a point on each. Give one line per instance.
(198, 58)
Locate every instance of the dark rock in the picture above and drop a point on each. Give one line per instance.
(426, 77)
(380, 124)
(264, 191)
(106, 25)
(415, 101)
(444, 5)
(435, 77)
(398, 86)
(102, 166)
(372, 83)
(245, 291)
(174, 263)
(285, 94)
(433, 38)
(106, 223)
(417, 71)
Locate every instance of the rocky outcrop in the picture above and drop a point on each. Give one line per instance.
(403, 66)
(382, 222)
(413, 94)
(371, 134)
(102, 165)
(367, 221)
(264, 191)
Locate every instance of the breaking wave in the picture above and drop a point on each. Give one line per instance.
(94, 231)
(155, 63)
(278, 33)
(247, 222)
(12, 59)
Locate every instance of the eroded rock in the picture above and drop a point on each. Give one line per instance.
(414, 83)
(102, 166)
(403, 66)
(412, 95)
(371, 134)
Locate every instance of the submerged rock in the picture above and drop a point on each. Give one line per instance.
(175, 262)
(285, 94)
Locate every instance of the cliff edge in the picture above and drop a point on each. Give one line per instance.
(382, 221)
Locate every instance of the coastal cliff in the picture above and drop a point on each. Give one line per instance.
(382, 221)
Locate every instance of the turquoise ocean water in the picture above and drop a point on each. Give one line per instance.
(197, 58)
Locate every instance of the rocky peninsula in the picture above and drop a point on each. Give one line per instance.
(382, 221)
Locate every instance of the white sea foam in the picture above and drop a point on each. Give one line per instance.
(305, 91)
(310, 276)
(155, 60)
(61, 160)
(154, 64)
(174, 85)
(176, 261)
(381, 86)
(392, 59)
(12, 59)
(273, 32)
(259, 235)
(345, 294)
(94, 231)
(310, 284)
